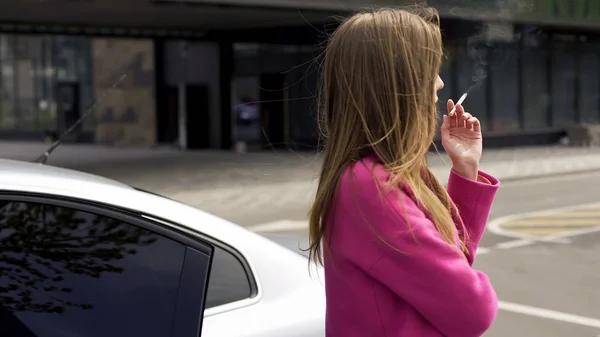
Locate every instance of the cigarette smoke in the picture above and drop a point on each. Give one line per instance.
(480, 43)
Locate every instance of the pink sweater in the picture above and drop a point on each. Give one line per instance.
(416, 285)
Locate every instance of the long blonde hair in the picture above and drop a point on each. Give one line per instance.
(377, 96)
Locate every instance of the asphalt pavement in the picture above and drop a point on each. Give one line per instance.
(548, 282)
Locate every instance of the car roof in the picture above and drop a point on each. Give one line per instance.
(15, 169)
(36, 178)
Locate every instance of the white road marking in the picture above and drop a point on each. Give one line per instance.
(564, 236)
(558, 238)
(514, 244)
(494, 225)
(482, 250)
(551, 179)
(549, 314)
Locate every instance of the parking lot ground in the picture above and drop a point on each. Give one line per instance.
(547, 289)
(547, 275)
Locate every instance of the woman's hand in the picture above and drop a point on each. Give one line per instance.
(462, 140)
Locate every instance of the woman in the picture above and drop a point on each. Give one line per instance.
(397, 246)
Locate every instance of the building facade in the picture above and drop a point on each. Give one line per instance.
(208, 74)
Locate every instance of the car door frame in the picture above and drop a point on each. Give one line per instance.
(255, 290)
(189, 315)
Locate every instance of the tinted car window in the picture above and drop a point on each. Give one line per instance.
(228, 280)
(65, 272)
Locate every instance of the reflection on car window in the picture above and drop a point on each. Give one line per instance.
(228, 281)
(69, 273)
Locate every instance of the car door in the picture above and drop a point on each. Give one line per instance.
(70, 268)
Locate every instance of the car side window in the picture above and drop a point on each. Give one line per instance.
(228, 281)
(65, 272)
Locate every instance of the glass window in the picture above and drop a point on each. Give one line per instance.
(303, 80)
(535, 79)
(8, 118)
(589, 97)
(504, 76)
(228, 280)
(472, 78)
(32, 66)
(26, 65)
(297, 63)
(72, 57)
(563, 81)
(70, 273)
(246, 103)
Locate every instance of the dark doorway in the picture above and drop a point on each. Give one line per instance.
(168, 114)
(68, 110)
(197, 117)
(272, 110)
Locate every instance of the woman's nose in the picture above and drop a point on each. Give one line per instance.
(440, 84)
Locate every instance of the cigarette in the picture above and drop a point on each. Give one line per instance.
(460, 101)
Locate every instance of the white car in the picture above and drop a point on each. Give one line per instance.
(85, 256)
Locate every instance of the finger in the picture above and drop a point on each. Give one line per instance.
(470, 122)
(464, 120)
(460, 110)
(450, 105)
(476, 124)
(453, 120)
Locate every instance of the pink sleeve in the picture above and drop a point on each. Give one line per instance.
(474, 201)
(428, 273)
